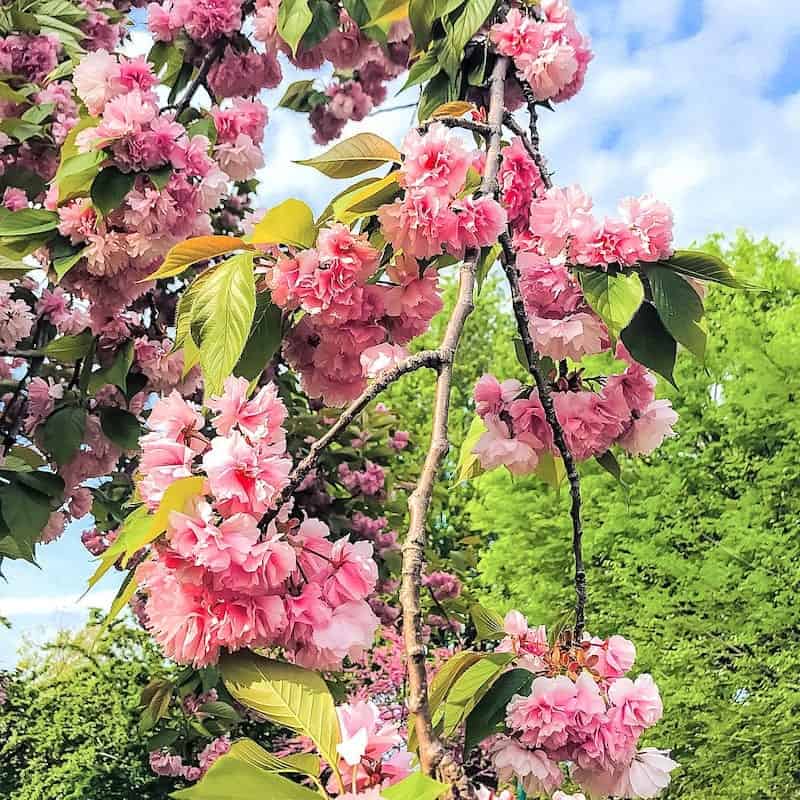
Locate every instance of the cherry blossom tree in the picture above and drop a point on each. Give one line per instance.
(201, 376)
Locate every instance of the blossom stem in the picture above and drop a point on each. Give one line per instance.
(199, 80)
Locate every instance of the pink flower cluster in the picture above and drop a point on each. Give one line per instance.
(353, 329)
(562, 225)
(372, 751)
(204, 21)
(550, 54)
(16, 319)
(368, 481)
(430, 217)
(240, 132)
(581, 710)
(625, 412)
(162, 762)
(218, 580)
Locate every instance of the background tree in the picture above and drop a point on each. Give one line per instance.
(68, 728)
(696, 558)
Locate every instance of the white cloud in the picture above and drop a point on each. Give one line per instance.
(45, 606)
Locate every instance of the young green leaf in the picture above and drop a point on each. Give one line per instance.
(223, 309)
(415, 786)
(469, 465)
(360, 153)
(287, 695)
(615, 298)
(705, 267)
(466, 25)
(193, 251)
(294, 18)
(27, 221)
(488, 624)
(290, 222)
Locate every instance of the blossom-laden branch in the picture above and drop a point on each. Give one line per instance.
(432, 359)
(432, 755)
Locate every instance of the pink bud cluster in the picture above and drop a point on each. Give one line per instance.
(217, 581)
(581, 710)
(550, 54)
(432, 215)
(624, 412)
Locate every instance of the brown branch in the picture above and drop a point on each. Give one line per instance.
(431, 359)
(509, 265)
(431, 750)
(200, 79)
(481, 128)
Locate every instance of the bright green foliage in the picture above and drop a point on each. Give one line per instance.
(698, 561)
(68, 729)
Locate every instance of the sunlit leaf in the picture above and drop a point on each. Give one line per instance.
(360, 153)
(290, 222)
(193, 251)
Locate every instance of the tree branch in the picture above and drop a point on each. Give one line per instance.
(431, 750)
(432, 359)
(199, 80)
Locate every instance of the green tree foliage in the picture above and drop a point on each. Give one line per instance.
(698, 560)
(68, 730)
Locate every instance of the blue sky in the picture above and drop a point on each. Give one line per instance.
(697, 101)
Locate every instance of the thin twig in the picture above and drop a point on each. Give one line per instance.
(431, 359)
(509, 265)
(482, 128)
(389, 110)
(199, 80)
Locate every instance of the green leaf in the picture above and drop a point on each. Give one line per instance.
(423, 69)
(124, 594)
(296, 698)
(46, 483)
(354, 156)
(70, 348)
(439, 90)
(160, 177)
(133, 530)
(221, 711)
(469, 465)
(416, 786)
(488, 624)
(76, 174)
(27, 221)
(469, 688)
(487, 260)
(39, 113)
(294, 18)
(264, 339)
(706, 267)
(615, 298)
(301, 96)
(223, 309)
(62, 433)
(117, 373)
(680, 308)
(110, 188)
(324, 18)
(10, 95)
(608, 461)
(203, 127)
(19, 129)
(25, 512)
(156, 698)
(290, 222)
(64, 264)
(467, 24)
(232, 778)
(365, 200)
(650, 343)
(121, 427)
(489, 715)
(250, 752)
(195, 250)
